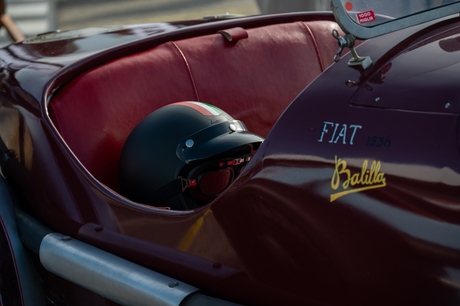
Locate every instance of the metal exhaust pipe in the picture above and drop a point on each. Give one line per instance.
(110, 276)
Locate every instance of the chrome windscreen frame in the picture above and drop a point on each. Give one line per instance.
(349, 26)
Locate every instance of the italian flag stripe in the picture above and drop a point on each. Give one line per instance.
(205, 109)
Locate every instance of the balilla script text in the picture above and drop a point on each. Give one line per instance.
(367, 179)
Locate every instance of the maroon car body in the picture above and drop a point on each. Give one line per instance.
(353, 198)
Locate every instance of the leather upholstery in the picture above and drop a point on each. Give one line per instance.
(234, 34)
(253, 79)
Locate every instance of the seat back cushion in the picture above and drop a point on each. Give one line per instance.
(253, 79)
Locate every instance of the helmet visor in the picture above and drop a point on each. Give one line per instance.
(214, 140)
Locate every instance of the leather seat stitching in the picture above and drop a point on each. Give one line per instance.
(316, 46)
(188, 69)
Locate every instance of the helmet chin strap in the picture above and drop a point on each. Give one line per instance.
(175, 187)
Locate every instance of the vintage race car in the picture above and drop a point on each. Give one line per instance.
(353, 198)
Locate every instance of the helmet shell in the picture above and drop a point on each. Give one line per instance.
(173, 137)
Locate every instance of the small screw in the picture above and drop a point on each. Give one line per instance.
(350, 83)
(232, 127)
(189, 143)
(173, 284)
(377, 99)
(66, 238)
(447, 105)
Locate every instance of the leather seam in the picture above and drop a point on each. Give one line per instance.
(316, 46)
(188, 70)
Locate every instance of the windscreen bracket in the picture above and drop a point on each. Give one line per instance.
(348, 41)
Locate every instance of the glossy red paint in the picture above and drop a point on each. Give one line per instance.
(299, 226)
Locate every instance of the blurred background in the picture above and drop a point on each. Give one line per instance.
(33, 17)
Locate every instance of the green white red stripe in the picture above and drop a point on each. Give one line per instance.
(203, 108)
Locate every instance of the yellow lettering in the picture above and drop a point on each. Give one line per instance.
(363, 173)
(355, 179)
(376, 173)
(372, 174)
(372, 177)
(335, 182)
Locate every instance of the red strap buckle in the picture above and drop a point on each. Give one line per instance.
(186, 183)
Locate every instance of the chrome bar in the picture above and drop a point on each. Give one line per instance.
(110, 276)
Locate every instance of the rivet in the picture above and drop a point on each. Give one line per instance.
(66, 238)
(377, 99)
(447, 105)
(189, 143)
(173, 284)
(232, 127)
(350, 83)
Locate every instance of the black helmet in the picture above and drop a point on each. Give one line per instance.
(182, 145)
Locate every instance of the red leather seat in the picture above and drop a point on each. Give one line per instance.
(254, 79)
